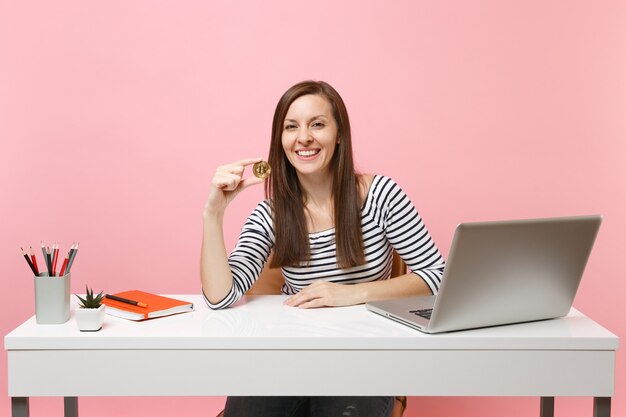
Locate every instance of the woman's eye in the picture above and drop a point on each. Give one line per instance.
(289, 127)
(318, 124)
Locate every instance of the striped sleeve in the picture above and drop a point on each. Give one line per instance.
(408, 235)
(250, 254)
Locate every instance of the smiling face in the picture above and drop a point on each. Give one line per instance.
(309, 135)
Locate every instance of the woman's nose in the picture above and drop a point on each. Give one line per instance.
(304, 136)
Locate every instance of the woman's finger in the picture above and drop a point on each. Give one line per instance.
(315, 303)
(239, 166)
(231, 169)
(248, 161)
(247, 182)
(305, 295)
(226, 181)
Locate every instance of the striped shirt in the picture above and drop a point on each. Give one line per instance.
(389, 221)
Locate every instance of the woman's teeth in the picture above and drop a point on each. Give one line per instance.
(307, 153)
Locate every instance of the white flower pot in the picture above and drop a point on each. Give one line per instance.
(90, 319)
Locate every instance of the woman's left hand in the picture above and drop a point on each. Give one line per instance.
(325, 294)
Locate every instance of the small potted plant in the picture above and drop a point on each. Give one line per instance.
(90, 314)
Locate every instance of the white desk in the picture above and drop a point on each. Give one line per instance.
(342, 351)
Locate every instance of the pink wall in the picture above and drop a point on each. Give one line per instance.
(113, 116)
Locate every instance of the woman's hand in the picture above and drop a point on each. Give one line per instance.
(227, 182)
(323, 294)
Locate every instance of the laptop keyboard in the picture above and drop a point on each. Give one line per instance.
(426, 313)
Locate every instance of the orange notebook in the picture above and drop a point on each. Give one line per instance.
(158, 306)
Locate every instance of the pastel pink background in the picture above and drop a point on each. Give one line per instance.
(114, 115)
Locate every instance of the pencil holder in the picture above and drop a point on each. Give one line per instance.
(52, 299)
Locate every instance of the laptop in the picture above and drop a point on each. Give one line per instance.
(502, 272)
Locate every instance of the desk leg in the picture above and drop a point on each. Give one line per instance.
(601, 406)
(71, 406)
(19, 407)
(547, 407)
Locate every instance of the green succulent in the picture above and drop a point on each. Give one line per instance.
(90, 301)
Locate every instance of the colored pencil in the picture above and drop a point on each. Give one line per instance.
(64, 266)
(55, 256)
(49, 259)
(45, 256)
(30, 263)
(34, 259)
(70, 252)
(73, 252)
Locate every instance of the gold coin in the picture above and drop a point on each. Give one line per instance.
(262, 169)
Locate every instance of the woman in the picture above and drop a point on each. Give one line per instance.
(326, 225)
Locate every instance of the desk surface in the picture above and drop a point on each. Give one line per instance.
(331, 351)
(263, 322)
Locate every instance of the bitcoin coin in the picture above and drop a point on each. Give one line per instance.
(261, 169)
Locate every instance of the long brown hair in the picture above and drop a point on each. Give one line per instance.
(284, 192)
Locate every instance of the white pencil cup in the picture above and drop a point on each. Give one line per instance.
(52, 299)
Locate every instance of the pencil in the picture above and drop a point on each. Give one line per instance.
(126, 300)
(70, 253)
(72, 256)
(55, 256)
(49, 259)
(45, 256)
(30, 263)
(34, 259)
(67, 258)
